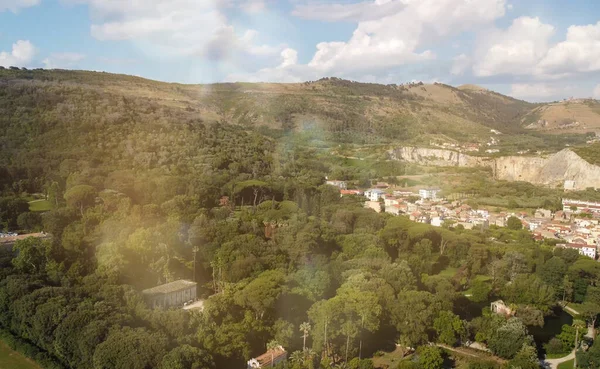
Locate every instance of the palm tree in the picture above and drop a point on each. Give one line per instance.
(271, 347)
(304, 328)
(297, 357)
(577, 324)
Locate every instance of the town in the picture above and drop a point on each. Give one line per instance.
(576, 226)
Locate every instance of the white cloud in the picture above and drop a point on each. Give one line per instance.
(367, 10)
(174, 28)
(461, 64)
(596, 93)
(516, 50)
(399, 38)
(580, 52)
(21, 55)
(534, 90)
(62, 60)
(15, 5)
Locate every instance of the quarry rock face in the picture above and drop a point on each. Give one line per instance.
(552, 170)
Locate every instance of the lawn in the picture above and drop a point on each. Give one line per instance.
(566, 365)
(40, 205)
(388, 359)
(10, 359)
(482, 278)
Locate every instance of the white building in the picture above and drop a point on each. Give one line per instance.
(374, 194)
(584, 249)
(429, 193)
(569, 185)
(340, 184)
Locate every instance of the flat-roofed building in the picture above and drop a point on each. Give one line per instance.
(173, 294)
(268, 359)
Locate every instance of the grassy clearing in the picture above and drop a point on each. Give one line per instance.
(566, 365)
(389, 359)
(10, 359)
(40, 205)
(478, 278)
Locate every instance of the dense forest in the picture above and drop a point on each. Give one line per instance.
(144, 193)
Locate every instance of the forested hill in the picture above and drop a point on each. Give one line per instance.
(151, 182)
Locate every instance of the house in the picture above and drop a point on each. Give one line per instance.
(268, 359)
(390, 200)
(393, 209)
(350, 192)
(374, 194)
(499, 307)
(437, 221)
(583, 248)
(429, 193)
(404, 193)
(340, 184)
(173, 294)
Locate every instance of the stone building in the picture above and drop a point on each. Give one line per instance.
(174, 294)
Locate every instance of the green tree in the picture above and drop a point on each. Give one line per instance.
(449, 327)
(514, 223)
(305, 329)
(80, 197)
(30, 255)
(481, 290)
(509, 339)
(430, 357)
(30, 221)
(186, 357)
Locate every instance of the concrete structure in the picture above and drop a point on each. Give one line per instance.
(340, 184)
(569, 185)
(268, 359)
(174, 294)
(429, 193)
(499, 307)
(580, 206)
(583, 248)
(374, 194)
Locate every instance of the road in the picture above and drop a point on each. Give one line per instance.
(554, 363)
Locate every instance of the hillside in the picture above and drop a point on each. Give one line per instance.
(569, 116)
(99, 122)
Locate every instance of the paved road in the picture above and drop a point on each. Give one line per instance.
(554, 363)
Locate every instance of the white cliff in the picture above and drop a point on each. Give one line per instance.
(552, 170)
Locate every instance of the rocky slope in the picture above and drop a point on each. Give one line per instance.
(552, 170)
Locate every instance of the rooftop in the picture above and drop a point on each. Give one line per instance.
(175, 286)
(265, 359)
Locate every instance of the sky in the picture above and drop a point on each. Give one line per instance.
(536, 50)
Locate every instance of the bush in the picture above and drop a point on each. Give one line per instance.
(554, 346)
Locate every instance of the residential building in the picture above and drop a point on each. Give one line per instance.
(429, 193)
(268, 359)
(569, 185)
(580, 206)
(340, 184)
(393, 209)
(374, 194)
(583, 248)
(350, 192)
(173, 294)
(375, 205)
(404, 193)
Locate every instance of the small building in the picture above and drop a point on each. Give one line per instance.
(393, 209)
(429, 193)
(583, 248)
(374, 194)
(339, 184)
(350, 192)
(174, 294)
(268, 359)
(569, 185)
(499, 307)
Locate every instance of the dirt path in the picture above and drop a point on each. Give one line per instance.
(554, 363)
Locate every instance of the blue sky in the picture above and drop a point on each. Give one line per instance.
(536, 50)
